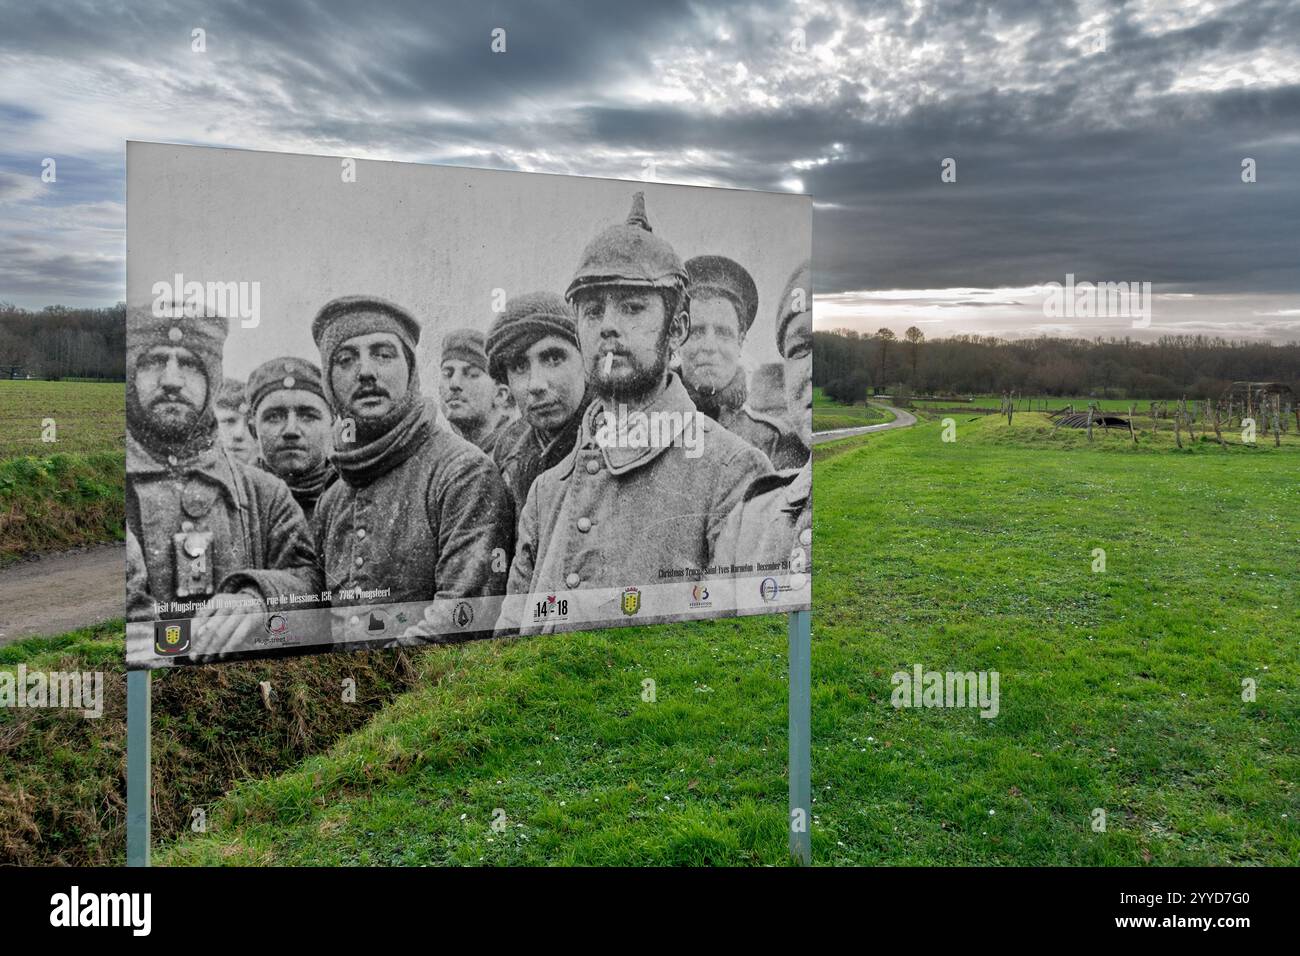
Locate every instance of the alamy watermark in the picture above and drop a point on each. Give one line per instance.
(1099, 300)
(922, 688)
(75, 908)
(70, 690)
(638, 429)
(179, 299)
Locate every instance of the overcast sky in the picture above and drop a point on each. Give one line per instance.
(1103, 140)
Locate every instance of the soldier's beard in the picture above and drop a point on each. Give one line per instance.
(641, 382)
(183, 437)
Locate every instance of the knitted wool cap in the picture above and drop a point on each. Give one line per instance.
(526, 319)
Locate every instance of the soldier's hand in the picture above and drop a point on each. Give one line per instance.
(228, 621)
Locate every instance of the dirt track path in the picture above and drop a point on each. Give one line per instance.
(902, 419)
(62, 592)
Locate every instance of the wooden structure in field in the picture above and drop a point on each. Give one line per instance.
(1258, 400)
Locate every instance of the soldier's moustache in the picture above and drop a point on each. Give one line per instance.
(170, 397)
(168, 426)
(636, 382)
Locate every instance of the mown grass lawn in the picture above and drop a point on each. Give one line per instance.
(1120, 690)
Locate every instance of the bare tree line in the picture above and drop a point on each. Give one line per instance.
(847, 363)
(61, 342)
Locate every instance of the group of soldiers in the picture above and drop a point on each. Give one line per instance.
(349, 482)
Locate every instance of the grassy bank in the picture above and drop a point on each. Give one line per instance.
(59, 502)
(62, 775)
(1121, 689)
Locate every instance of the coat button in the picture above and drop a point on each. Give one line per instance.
(593, 466)
(360, 561)
(805, 537)
(572, 581)
(584, 525)
(361, 532)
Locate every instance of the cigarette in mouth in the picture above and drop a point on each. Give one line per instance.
(609, 361)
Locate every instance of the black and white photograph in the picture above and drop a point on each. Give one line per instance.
(378, 404)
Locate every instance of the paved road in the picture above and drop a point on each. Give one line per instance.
(902, 419)
(62, 592)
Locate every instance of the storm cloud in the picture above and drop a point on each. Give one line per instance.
(1103, 140)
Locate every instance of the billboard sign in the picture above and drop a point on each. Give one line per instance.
(373, 404)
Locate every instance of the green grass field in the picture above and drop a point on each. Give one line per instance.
(1121, 690)
(829, 415)
(62, 453)
(87, 417)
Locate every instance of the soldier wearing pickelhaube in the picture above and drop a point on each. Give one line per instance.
(210, 529)
(724, 301)
(615, 512)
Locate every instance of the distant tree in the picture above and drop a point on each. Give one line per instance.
(914, 338)
(884, 337)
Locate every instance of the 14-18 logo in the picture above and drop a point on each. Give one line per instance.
(552, 608)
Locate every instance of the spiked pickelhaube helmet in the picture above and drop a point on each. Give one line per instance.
(630, 254)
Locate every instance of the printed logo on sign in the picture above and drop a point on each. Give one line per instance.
(463, 615)
(700, 596)
(631, 601)
(767, 590)
(171, 637)
(277, 629)
(552, 609)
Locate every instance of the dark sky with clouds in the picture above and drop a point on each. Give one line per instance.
(1115, 164)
